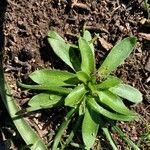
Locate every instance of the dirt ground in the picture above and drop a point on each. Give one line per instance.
(25, 28)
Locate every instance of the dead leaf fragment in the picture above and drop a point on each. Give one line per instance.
(80, 5)
(105, 44)
(145, 36)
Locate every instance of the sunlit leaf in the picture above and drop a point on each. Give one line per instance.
(75, 96)
(96, 107)
(88, 37)
(128, 92)
(72, 53)
(114, 102)
(109, 82)
(117, 55)
(82, 76)
(53, 89)
(89, 130)
(55, 35)
(87, 57)
(70, 57)
(44, 100)
(53, 77)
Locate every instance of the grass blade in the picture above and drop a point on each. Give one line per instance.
(109, 138)
(125, 138)
(27, 133)
(63, 128)
(71, 135)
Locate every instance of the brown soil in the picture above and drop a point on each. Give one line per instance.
(25, 49)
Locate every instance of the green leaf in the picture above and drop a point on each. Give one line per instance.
(75, 96)
(114, 102)
(61, 49)
(117, 55)
(87, 36)
(96, 107)
(53, 77)
(75, 58)
(55, 35)
(128, 92)
(44, 100)
(89, 130)
(109, 82)
(54, 89)
(82, 76)
(88, 60)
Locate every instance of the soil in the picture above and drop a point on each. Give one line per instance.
(24, 28)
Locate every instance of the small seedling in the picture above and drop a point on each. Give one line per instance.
(94, 97)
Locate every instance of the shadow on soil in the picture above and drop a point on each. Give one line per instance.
(4, 117)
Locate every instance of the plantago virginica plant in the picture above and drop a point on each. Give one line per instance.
(93, 96)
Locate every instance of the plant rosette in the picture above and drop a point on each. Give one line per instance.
(93, 96)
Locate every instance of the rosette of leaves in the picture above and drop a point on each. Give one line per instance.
(93, 97)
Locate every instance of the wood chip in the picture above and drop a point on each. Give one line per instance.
(147, 66)
(148, 80)
(105, 44)
(81, 5)
(145, 36)
(96, 28)
(143, 20)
